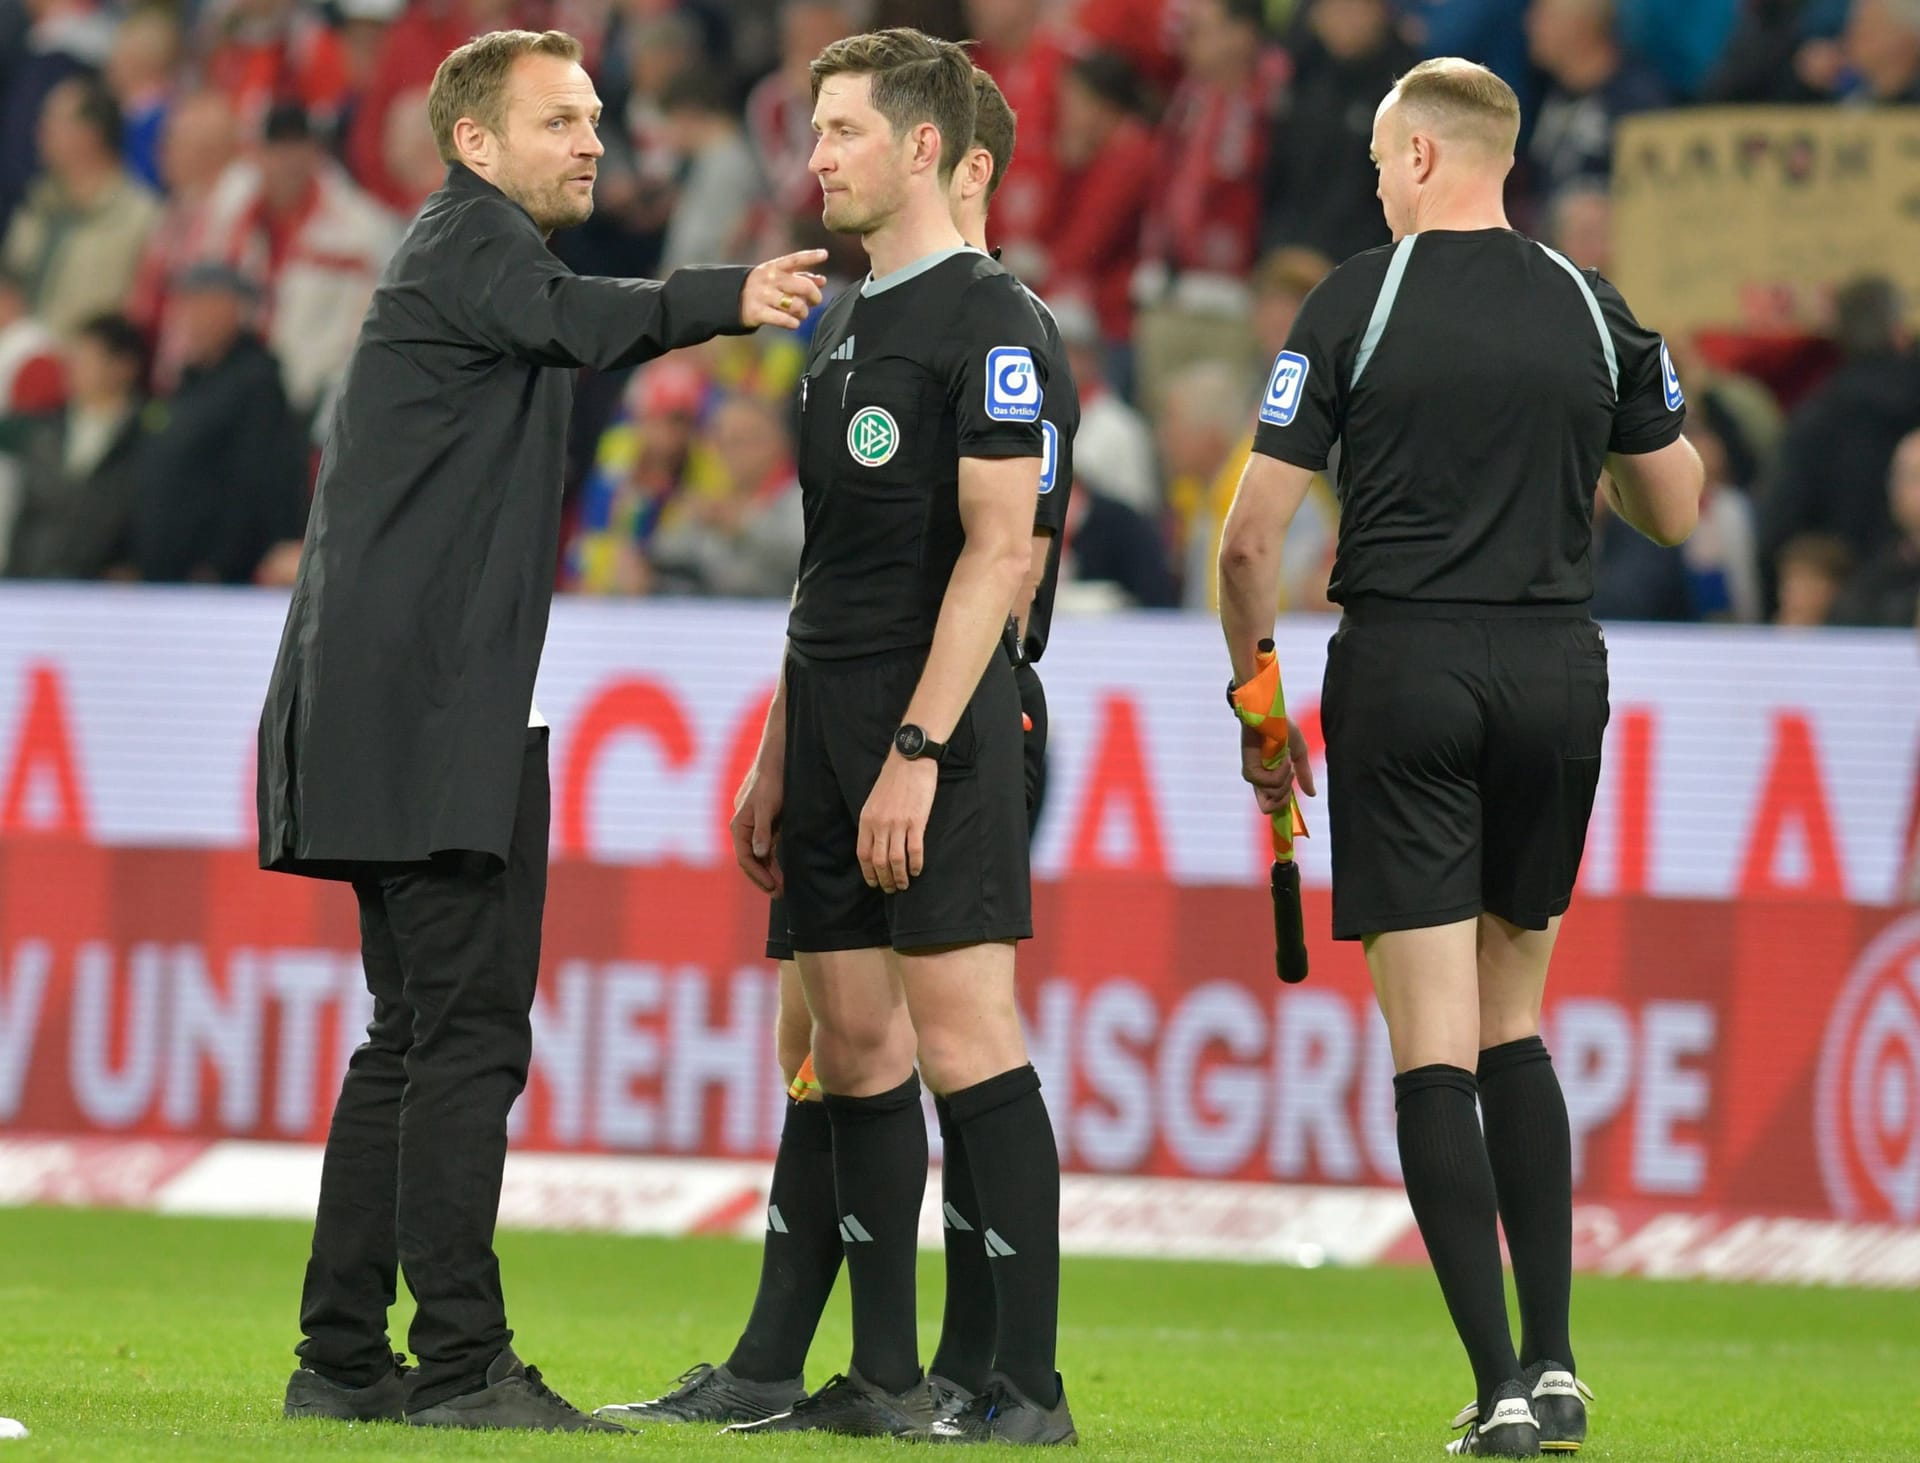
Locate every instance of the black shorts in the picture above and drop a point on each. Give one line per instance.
(1462, 755)
(841, 716)
(1033, 702)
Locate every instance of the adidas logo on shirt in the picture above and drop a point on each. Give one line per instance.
(843, 351)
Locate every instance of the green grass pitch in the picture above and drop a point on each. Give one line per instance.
(130, 1336)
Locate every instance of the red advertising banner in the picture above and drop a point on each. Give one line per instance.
(1759, 1055)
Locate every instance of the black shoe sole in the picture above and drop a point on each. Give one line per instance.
(295, 1412)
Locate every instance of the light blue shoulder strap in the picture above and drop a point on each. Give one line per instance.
(1383, 306)
(1593, 309)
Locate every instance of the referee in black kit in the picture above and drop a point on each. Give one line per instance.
(399, 746)
(890, 768)
(1471, 384)
(802, 1251)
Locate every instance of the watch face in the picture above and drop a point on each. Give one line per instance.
(910, 740)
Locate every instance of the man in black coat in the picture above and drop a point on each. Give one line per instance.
(399, 746)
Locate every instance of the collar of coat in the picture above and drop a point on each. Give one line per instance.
(463, 182)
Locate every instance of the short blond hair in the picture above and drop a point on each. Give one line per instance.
(472, 81)
(1462, 100)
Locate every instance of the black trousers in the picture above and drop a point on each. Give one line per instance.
(414, 1156)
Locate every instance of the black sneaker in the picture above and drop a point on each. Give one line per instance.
(311, 1395)
(1002, 1413)
(948, 1396)
(711, 1393)
(1509, 1432)
(514, 1397)
(855, 1408)
(1559, 1405)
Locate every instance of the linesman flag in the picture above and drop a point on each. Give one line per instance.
(1261, 704)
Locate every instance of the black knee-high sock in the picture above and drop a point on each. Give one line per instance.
(1016, 1172)
(965, 1353)
(800, 1255)
(1443, 1161)
(1531, 1150)
(880, 1177)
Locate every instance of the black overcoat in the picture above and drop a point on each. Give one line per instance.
(396, 719)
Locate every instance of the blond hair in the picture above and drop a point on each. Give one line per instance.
(1461, 100)
(472, 81)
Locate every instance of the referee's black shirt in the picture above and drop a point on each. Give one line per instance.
(943, 359)
(1059, 420)
(1469, 385)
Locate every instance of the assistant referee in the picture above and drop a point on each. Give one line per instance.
(1471, 385)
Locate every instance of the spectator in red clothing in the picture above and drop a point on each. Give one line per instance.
(363, 37)
(419, 39)
(276, 50)
(1027, 60)
(1213, 147)
(1105, 152)
(1147, 32)
(201, 141)
(1202, 227)
(317, 243)
(780, 110)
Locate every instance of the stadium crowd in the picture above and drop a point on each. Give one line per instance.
(196, 202)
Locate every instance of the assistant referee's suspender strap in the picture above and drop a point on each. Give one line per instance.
(1383, 306)
(1593, 309)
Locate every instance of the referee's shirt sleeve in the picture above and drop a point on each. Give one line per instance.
(1303, 405)
(997, 380)
(1650, 409)
(1059, 420)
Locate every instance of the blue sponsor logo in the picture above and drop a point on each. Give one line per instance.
(1284, 388)
(1670, 381)
(1013, 386)
(1049, 456)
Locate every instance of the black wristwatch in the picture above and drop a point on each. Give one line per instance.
(912, 743)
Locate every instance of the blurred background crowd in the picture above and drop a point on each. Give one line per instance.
(197, 199)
